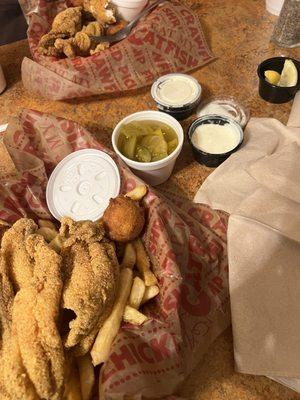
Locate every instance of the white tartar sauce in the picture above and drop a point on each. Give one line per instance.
(216, 139)
(177, 90)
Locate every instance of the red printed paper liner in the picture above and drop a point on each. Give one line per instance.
(170, 39)
(186, 242)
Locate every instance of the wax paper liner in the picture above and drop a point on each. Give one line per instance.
(170, 39)
(186, 242)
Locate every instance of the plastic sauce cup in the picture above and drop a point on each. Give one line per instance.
(155, 172)
(273, 93)
(213, 160)
(177, 95)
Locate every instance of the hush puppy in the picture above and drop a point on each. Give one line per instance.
(123, 219)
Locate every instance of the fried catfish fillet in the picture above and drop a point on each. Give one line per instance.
(19, 265)
(100, 11)
(68, 22)
(34, 319)
(14, 382)
(90, 270)
(47, 41)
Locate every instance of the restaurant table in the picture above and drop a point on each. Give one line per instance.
(238, 32)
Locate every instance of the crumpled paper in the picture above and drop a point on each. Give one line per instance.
(186, 242)
(170, 39)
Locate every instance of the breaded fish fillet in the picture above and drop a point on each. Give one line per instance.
(34, 318)
(100, 11)
(14, 382)
(18, 262)
(90, 280)
(68, 21)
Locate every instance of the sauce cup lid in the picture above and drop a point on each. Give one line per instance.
(176, 91)
(82, 184)
(227, 106)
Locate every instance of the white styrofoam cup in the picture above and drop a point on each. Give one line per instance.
(156, 172)
(129, 9)
(274, 6)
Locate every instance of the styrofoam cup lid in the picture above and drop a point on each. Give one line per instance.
(82, 184)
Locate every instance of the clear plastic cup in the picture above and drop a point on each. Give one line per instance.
(156, 172)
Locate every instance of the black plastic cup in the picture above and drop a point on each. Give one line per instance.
(208, 159)
(273, 93)
(179, 113)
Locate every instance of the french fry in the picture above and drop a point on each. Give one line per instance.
(86, 375)
(143, 263)
(56, 243)
(137, 293)
(133, 316)
(150, 293)
(138, 193)
(45, 223)
(101, 349)
(129, 258)
(48, 233)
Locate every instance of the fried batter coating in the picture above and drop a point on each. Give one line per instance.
(124, 219)
(66, 46)
(112, 29)
(77, 3)
(87, 231)
(68, 21)
(4, 226)
(14, 382)
(46, 44)
(34, 319)
(100, 47)
(99, 9)
(90, 280)
(94, 29)
(78, 46)
(18, 262)
(83, 42)
(6, 295)
(85, 344)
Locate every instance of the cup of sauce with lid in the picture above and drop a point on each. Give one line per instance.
(177, 94)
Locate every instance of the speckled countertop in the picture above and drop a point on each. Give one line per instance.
(238, 32)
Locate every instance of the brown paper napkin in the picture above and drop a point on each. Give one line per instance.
(260, 187)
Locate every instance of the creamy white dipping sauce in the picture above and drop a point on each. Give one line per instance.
(176, 90)
(216, 139)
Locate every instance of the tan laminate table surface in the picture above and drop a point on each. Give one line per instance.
(238, 32)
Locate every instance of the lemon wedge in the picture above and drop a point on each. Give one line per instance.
(289, 74)
(272, 77)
